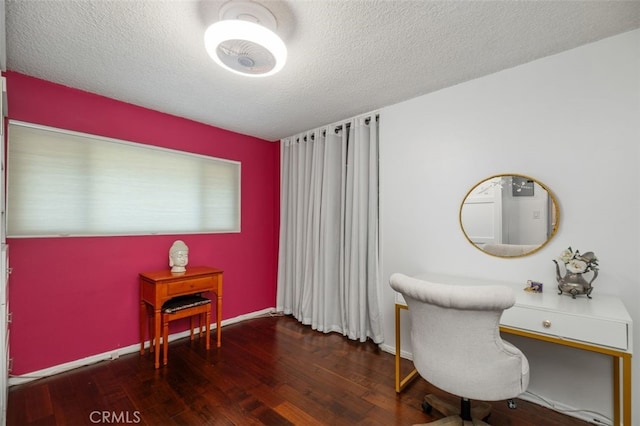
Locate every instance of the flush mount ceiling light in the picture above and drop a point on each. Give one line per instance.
(244, 41)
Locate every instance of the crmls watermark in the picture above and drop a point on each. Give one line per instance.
(115, 417)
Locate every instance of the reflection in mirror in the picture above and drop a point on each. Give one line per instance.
(509, 215)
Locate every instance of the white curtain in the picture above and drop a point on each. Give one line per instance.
(328, 260)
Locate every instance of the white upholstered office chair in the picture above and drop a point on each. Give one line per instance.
(457, 345)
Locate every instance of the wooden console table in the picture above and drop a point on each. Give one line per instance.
(159, 286)
(600, 325)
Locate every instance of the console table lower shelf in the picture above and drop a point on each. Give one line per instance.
(621, 365)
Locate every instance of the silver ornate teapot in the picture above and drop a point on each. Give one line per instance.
(573, 282)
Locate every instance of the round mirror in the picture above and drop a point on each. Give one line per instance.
(509, 215)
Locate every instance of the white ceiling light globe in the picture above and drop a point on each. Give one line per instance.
(245, 48)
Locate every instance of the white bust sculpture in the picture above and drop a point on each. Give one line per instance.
(178, 256)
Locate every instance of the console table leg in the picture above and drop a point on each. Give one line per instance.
(626, 389)
(398, 348)
(622, 406)
(157, 315)
(219, 321)
(143, 320)
(616, 390)
(400, 381)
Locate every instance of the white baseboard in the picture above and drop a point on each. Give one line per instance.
(116, 353)
(588, 416)
(392, 350)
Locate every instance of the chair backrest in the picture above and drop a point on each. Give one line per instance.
(456, 340)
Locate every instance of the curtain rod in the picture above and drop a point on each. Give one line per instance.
(338, 128)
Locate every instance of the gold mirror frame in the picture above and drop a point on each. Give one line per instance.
(504, 189)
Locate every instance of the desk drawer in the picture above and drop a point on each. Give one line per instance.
(190, 286)
(591, 330)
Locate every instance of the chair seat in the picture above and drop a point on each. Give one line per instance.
(183, 302)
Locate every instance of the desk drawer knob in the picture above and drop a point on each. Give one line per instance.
(546, 324)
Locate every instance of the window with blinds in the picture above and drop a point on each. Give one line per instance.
(63, 183)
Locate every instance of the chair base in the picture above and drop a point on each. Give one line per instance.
(454, 421)
(480, 410)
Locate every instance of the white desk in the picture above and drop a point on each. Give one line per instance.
(601, 325)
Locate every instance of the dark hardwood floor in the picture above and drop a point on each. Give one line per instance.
(269, 371)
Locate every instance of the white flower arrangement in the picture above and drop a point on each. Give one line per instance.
(577, 263)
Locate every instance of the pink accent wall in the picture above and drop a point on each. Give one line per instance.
(76, 297)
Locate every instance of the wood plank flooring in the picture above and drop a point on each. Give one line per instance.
(269, 371)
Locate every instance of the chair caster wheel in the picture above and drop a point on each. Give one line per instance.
(512, 404)
(427, 408)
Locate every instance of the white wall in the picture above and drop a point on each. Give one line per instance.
(572, 121)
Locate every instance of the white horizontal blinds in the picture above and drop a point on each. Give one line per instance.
(219, 190)
(45, 185)
(67, 183)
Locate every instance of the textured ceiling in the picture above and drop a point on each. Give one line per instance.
(345, 57)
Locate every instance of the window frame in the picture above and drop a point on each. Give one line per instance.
(199, 160)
